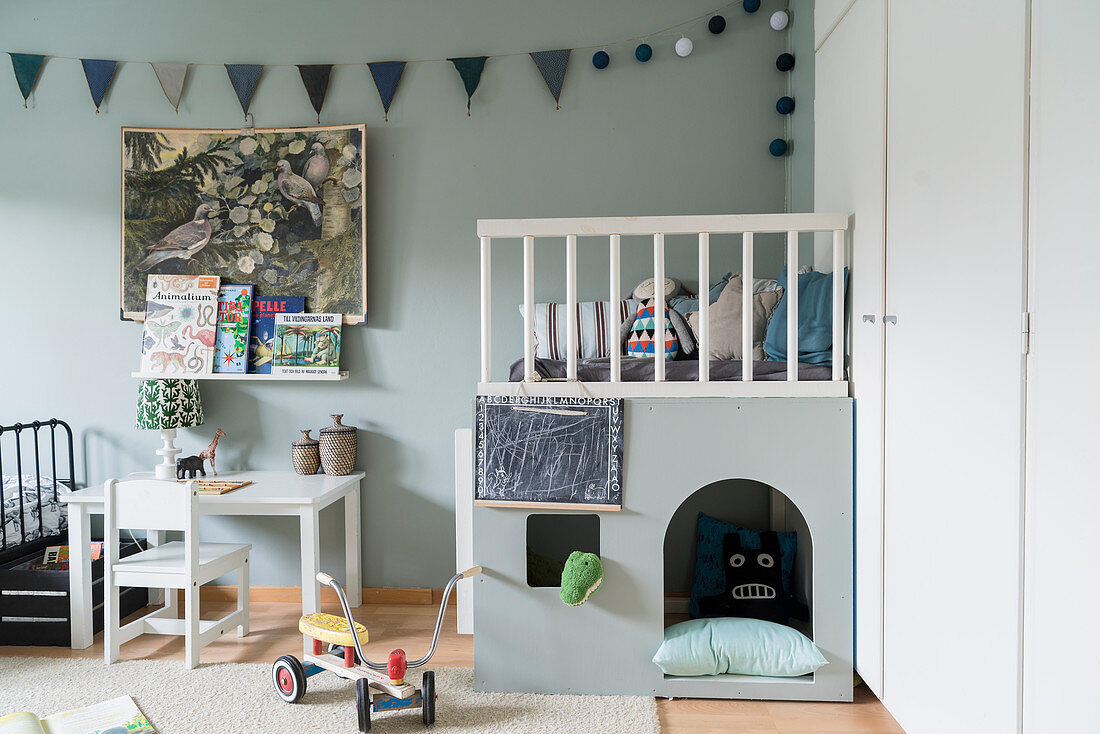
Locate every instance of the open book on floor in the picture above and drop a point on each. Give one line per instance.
(117, 716)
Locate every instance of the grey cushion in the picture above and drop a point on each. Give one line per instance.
(725, 321)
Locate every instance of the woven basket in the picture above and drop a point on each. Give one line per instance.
(339, 444)
(306, 455)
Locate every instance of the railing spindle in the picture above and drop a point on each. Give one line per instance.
(616, 322)
(486, 312)
(792, 306)
(838, 304)
(658, 307)
(704, 307)
(746, 307)
(528, 307)
(571, 307)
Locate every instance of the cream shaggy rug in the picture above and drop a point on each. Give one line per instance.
(241, 698)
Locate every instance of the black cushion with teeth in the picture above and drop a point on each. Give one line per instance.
(754, 583)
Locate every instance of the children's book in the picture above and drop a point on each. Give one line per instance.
(181, 318)
(57, 556)
(261, 343)
(234, 323)
(117, 715)
(307, 344)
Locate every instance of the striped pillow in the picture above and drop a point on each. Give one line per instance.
(596, 332)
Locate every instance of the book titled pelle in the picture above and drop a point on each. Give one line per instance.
(181, 317)
(234, 324)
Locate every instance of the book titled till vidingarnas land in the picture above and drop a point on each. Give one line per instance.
(234, 323)
(181, 318)
(261, 342)
(307, 344)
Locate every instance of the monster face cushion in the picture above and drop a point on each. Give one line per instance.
(754, 582)
(582, 575)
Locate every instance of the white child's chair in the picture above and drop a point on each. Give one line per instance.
(188, 564)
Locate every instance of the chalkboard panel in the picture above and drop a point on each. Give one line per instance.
(557, 451)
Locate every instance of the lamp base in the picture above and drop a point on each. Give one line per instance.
(167, 468)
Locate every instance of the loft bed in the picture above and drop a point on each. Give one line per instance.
(32, 515)
(688, 425)
(618, 377)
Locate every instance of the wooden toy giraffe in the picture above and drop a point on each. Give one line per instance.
(208, 452)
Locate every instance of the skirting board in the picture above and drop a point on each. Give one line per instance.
(293, 594)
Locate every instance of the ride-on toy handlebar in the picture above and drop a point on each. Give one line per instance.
(324, 578)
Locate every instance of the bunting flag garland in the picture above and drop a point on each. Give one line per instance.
(26, 68)
(315, 78)
(99, 73)
(171, 77)
(244, 78)
(387, 75)
(552, 65)
(470, 68)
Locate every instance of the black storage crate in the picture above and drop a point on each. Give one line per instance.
(34, 604)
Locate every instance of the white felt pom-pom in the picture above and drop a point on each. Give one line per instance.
(779, 20)
(684, 47)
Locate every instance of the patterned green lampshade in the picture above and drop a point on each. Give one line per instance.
(168, 404)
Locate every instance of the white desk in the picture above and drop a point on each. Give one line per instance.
(271, 493)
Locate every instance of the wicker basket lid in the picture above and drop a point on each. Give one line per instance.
(337, 426)
(306, 439)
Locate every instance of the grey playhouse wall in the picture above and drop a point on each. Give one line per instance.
(527, 640)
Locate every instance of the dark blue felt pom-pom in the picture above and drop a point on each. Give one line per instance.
(784, 62)
(751, 6)
(784, 105)
(716, 25)
(644, 52)
(778, 147)
(600, 59)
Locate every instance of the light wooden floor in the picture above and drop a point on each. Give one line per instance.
(275, 632)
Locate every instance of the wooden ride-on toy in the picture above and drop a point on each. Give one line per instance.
(378, 686)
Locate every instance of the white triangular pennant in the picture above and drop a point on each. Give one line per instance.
(171, 77)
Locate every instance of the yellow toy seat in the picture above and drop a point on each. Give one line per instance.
(331, 629)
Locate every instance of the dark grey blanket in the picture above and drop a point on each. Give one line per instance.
(641, 370)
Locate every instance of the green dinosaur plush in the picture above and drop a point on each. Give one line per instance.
(582, 575)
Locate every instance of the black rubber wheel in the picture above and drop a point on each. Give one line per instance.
(362, 703)
(289, 678)
(427, 695)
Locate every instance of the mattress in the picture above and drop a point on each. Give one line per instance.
(687, 370)
(53, 515)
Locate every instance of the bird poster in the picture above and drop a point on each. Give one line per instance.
(181, 318)
(234, 323)
(278, 208)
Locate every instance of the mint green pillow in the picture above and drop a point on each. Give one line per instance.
(736, 645)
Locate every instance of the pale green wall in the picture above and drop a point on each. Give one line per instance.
(675, 136)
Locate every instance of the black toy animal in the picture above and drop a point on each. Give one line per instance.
(754, 583)
(189, 465)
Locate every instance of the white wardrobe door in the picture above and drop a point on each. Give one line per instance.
(954, 258)
(1061, 651)
(849, 172)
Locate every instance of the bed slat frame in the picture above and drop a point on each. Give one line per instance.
(17, 430)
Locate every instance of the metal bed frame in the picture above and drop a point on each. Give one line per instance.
(25, 547)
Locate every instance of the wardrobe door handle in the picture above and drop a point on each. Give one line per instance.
(890, 319)
(868, 318)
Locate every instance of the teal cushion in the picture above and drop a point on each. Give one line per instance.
(815, 320)
(736, 645)
(686, 304)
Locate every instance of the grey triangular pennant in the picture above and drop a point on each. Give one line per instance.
(171, 77)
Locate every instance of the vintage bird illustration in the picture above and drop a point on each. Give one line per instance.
(317, 167)
(183, 242)
(298, 191)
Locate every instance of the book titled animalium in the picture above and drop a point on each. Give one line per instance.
(181, 317)
(261, 342)
(234, 323)
(307, 344)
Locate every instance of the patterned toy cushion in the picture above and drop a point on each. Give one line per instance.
(54, 520)
(642, 333)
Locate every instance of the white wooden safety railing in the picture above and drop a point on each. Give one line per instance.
(613, 229)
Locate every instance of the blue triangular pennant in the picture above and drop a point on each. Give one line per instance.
(99, 73)
(26, 68)
(387, 75)
(469, 68)
(552, 65)
(244, 78)
(315, 78)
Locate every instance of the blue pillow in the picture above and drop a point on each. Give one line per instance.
(815, 320)
(687, 304)
(710, 573)
(736, 645)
